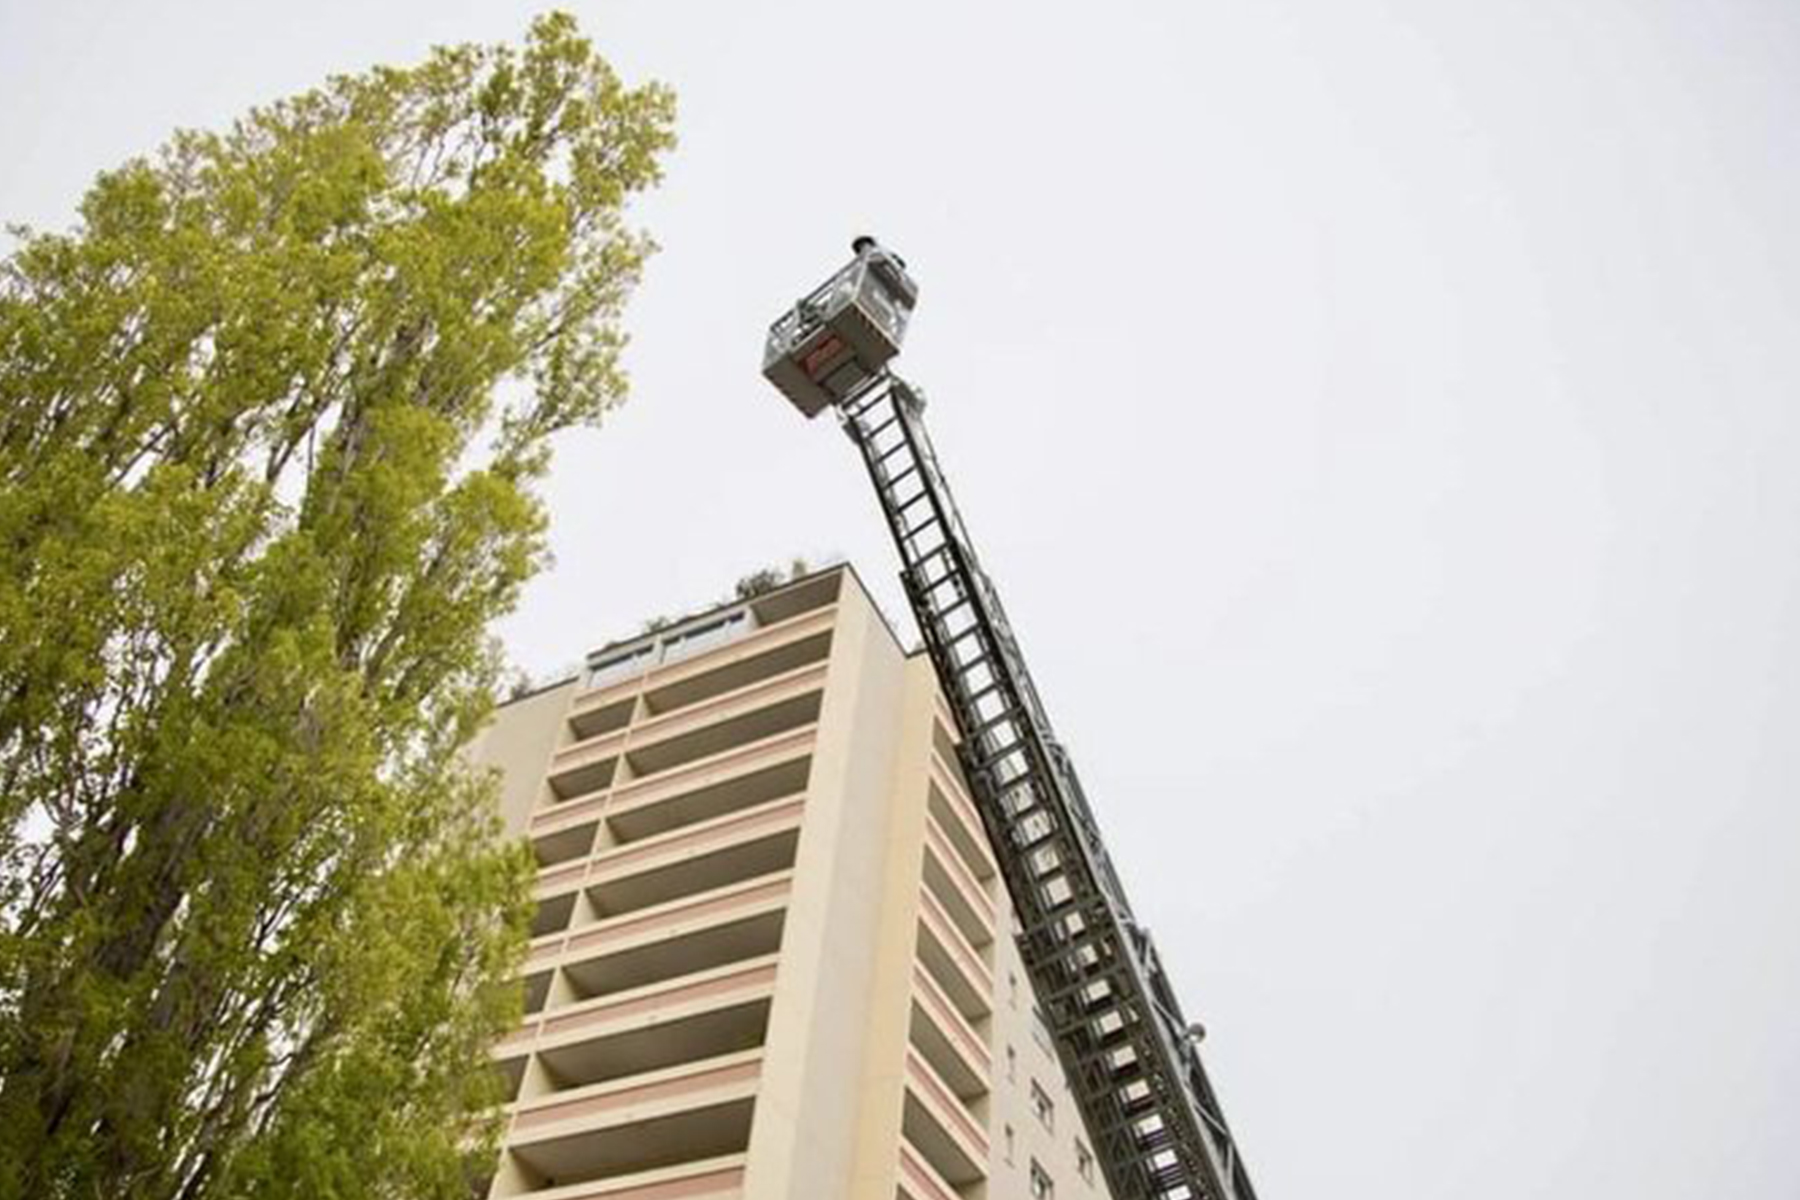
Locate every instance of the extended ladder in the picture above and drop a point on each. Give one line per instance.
(1156, 1126)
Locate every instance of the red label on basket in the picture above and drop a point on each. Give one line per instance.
(821, 357)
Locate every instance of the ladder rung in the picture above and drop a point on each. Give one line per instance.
(973, 664)
(1019, 827)
(1000, 800)
(913, 530)
(977, 697)
(1098, 934)
(1010, 714)
(1104, 970)
(960, 601)
(916, 566)
(899, 479)
(986, 760)
(857, 409)
(969, 703)
(873, 398)
(947, 630)
(922, 494)
(926, 582)
(947, 643)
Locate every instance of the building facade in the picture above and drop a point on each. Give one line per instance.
(772, 956)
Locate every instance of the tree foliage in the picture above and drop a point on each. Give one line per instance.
(767, 579)
(270, 421)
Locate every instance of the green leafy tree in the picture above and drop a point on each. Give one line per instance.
(271, 417)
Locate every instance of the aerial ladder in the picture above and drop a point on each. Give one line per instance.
(1130, 1056)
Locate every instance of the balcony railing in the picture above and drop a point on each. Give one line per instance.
(919, 1180)
(648, 758)
(707, 642)
(639, 1097)
(737, 779)
(719, 1178)
(949, 1137)
(677, 917)
(977, 1059)
(953, 962)
(696, 858)
(702, 1123)
(947, 793)
(747, 775)
(960, 821)
(638, 1045)
(681, 941)
(738, 702)
(950, 882)
(719, 987)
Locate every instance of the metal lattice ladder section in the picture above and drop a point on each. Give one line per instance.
(1155, 1124)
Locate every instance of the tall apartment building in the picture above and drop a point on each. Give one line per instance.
(772, 955)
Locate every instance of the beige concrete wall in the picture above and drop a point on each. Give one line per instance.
(518, 743)
(894, 938)
(1034, 1061)
(807, 1111)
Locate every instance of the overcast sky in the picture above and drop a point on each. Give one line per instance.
(1381, 421)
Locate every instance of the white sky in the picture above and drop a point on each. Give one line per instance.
(1380, 419)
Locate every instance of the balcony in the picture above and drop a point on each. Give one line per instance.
(734, 984)
(952, 1047)
(939, 1127)
(567, 830)
(512, 1074)
(945, 748)
(738, 702)
(679, 917)
(553, 912)
(700, 1110)
(808, 594)
(563, 879)
(696, 858)
(751, 775)
(919, 1180)
(953, 963)
(719, 1178)
(642, 1043)
(956, 814)
(595, 720)
(750, 982)
(708, 642)
(585, 767)
(691, 858)
(701, 1083)
(764, 655)
(648, 758)
(962, 897)
(674, 939)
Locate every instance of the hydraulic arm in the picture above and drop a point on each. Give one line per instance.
(1130, 1056)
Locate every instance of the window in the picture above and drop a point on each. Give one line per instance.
(1009, 1145)
(619, 666)
(1012, 1065)
(1042, 1187)
(1042, 1105)
(694, 641)
(1084, 1161)
(1012, 990)
(1041, 1031)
